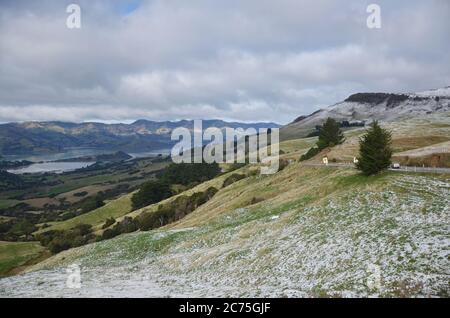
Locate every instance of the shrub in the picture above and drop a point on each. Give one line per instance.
(255, 200)
(175, 210)
(232, 179)
(150, 192)
(58, 241)
(68, 215)
(310, 153)
(252, 172)
(283, 163)
(108, 223)
(109, 234)
(24, 227)
(82, 229)
(127, 225)
(153, 220)
(58, 244)
(80, 194)
(91, 204)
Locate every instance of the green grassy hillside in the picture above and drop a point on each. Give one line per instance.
(121, 207)
(411, 134)
(15, 254)
(317, 232)
(115, 208)
(304, 231)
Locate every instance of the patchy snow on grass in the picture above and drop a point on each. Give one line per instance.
(365, 242)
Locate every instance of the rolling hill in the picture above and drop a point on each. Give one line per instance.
(313, 235)
(304, 231)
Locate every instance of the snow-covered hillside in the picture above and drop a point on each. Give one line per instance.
(339, 245)
(441, 92)
(304, 231)
(374, 106)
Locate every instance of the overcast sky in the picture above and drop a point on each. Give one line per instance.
(237, 60)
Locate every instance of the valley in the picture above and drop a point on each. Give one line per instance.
(36, 200)
(313, 233)
(222, 158)
(309, 230)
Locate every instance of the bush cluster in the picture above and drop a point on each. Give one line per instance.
(310, 153)
(232, 179)
(127, 225)
(108, 223)
(188, 173)
(92, 203)
(175, 210)
(60, 240)
(151, 192)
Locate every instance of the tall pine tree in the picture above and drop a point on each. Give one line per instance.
(330, 134)
(374, 150)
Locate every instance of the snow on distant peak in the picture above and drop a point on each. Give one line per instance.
(445, 91)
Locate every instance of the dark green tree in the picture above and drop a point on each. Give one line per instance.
(92, 203)
(23, 227)
(151, 192)
(108, 222)
(374, 150)
(186, 173)
(330, 134)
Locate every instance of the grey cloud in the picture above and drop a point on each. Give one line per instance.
(240, 60)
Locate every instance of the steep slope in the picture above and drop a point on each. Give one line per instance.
(15, 254)
(319, 232)
(423, 136)
(373, 106)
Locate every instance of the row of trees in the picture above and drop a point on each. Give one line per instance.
(375, 150)
(185, 174)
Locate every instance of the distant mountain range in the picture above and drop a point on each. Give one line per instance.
(145, 135)
(142, 135)
(366, 107)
